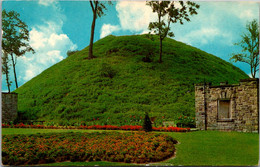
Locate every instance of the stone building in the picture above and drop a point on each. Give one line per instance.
(9, 107)
(228, 107)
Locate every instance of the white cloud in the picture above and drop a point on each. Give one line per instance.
(31, 71)
(205, 27)
(39, 32)
(146, 32)
(211, 24)
(50, 45)
(108, 29)
(205, 35)
(134, 15)
(46, 2)
(245, 11)
(48, 41)
(247, 14)
(34, 39)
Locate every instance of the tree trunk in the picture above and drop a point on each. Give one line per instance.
(160, 58)
(160, 33)
(254, 72)
(254, 66)
(90, 53)
(7, 82)
(15, 78)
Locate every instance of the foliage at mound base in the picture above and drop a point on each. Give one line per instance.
(129, 147)
(125, 80)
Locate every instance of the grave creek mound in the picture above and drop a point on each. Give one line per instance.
(119, 82)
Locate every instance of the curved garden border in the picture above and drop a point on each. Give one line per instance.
(134, 147)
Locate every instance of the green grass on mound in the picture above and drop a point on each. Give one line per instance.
(118, 83)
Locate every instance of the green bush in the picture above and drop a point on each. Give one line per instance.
(185, 121)
(70, 52)
(107, 71)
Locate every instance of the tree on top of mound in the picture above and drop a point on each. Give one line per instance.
(98, 11)
(169, 12)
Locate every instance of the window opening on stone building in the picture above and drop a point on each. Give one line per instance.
(224, 109)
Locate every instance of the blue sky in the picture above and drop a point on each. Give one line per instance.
(58, 26)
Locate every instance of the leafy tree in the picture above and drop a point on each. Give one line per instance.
(250, 47)
(169, 12)
(147, 126)
(5, 70)
(98, 11)
(15, 37)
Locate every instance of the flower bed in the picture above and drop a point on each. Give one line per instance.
(103, 127)
(171, 129)
(133, 147)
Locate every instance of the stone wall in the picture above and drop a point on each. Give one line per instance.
(9, 107)
(239, 103)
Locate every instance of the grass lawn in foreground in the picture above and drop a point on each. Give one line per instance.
(216, 148)
(194, 148)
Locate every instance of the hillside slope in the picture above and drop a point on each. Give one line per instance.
(117, 87)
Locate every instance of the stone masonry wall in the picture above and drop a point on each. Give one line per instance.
(199, 106)
(9, 107)
(243, 105)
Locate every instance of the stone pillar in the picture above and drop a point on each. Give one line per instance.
(199, 106)
(9, 107)
(248, 98)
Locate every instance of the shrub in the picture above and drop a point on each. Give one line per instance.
(70, 52)
(185, 121)
(107, 71)
(147, 126)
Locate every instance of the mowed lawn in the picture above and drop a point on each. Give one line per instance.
(194, 149)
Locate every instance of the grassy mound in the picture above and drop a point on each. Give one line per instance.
(124, 81)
